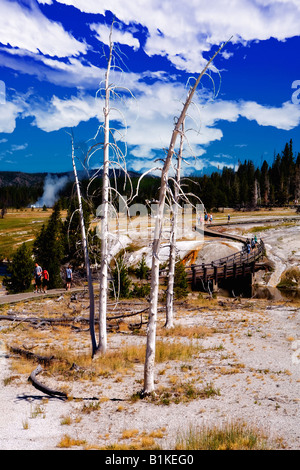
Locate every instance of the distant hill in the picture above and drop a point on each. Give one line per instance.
(19, 178)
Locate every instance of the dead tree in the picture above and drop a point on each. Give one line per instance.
(110, 150)
(104, 222)
(173, 235)
(86, 257)
(151, 329)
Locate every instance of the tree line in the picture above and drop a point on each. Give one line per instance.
(248, 186)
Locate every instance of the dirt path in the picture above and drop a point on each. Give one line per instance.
(12, 298)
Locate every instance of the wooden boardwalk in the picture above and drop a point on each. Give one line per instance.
(237, 265)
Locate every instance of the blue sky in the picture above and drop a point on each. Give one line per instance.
(53, 62)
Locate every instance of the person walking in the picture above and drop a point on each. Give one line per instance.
(38, 278)
(69, 275)
(45, 281)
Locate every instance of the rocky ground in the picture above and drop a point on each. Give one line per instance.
(248, 357)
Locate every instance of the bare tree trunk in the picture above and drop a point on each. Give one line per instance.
(151, 330)
(172, 255)
(104, 216)
(86, 258)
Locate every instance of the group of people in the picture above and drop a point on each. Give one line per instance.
(41, 277)
(207, 218)
(251, 244)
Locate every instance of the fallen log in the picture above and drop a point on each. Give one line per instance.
(44, 320)
(30, 355)
(54, 393)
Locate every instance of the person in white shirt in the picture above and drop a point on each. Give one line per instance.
(38, 278)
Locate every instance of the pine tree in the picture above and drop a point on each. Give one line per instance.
(20, 271)
(49, 247)
(142, 270)
(180, 280)
(121, 279)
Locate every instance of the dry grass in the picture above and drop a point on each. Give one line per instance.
(186, 331)
(67, 442)
(185, 370)
(232, 436)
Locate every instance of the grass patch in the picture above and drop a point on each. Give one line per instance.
(260, 228)
(232, 436)
(179, 393)
(186, 331)
(71, 365)
(21, 226)
(67, 441)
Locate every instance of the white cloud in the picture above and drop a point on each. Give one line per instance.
(27, 28)
(150, 117)
(17, 148)
(118, 36)
(64, 112)
(286, 117)
(8, 115)
(183, 33)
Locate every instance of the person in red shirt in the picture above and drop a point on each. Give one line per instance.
(45, 275)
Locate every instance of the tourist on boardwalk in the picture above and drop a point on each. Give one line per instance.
(69, 275)
(228, 218)
(45, 280)
(38, 278)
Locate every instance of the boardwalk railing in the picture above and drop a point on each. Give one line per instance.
(233, 266)
(236, 265)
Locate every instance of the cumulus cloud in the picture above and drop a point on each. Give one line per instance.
(8, 115)
(27, 28)
(119, 36)
(150, 117)
(285, 117)
(183, 33)
(64, 112)
(172, 29)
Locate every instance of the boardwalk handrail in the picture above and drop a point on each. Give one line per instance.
(240, 256)
(239, 263)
